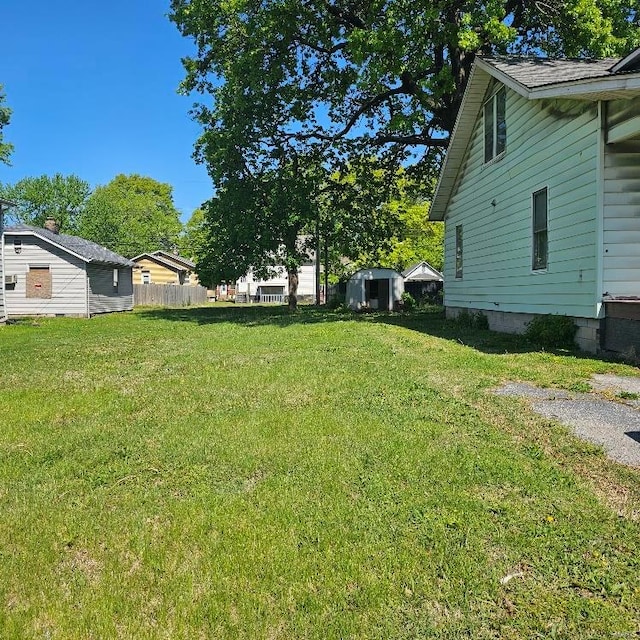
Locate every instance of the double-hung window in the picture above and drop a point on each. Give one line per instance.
(459, 251)
(495, 125)
(540, 241)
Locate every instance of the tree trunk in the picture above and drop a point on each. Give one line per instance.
(293, 288)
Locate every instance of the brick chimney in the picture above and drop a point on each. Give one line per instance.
(50, 224)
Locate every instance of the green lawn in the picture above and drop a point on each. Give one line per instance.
(241, 473)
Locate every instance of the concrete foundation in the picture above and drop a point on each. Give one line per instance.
(587, 336)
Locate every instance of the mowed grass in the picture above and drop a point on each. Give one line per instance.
(232, 472)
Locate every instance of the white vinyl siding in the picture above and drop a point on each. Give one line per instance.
(103, 296)
(68, 279)
(552, 144)
(621, 248)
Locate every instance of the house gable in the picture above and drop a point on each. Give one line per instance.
(535, 79)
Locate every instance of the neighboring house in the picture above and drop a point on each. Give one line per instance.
(51, 273)
(4, 205)
(375, 289)
(162, 267)
(540, 193)
(422, 281)
(252, 289)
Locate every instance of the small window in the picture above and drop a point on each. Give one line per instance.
(146, 277)
(38, 282)
(540, 240)
(17, 245)
(495, 125)
(459, 251)
(116, 275)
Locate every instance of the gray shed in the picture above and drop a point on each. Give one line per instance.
(51, 273)
(377, 289)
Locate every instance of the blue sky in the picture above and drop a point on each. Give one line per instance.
(93, 89)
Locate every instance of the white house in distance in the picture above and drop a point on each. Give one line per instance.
(51, 273)
(252, 289)
(540, 194)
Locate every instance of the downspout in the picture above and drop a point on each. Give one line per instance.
(602, 130)
(86, 288)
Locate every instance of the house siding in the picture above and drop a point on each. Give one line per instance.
(550, 144)
(3, 314)
(103, 297)
(621, 214)
(159, 273)
(68, 279)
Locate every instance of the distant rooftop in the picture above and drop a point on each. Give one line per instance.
(87, 250)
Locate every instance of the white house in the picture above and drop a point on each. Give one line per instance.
(275, 289)
(540, 194)
(51, 273)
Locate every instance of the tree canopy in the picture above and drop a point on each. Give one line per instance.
(5, 116)
(60, 197)
(368, 77)
(330, 85)
(131, 215)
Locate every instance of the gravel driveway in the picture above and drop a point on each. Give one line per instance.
(613, 424)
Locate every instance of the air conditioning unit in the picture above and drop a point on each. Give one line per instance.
(11, 279)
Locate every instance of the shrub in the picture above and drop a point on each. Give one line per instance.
(472, 320)
(408, 301)
(336, 301)
(552, 332)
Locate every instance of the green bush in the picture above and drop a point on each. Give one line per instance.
(552, 332)
(408, 301)
(336, 301)
(472, 320)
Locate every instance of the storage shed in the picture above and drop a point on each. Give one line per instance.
(378, 289)
(422, 281)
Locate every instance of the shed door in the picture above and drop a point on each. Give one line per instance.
(383, 295)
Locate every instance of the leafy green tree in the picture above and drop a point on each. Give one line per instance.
(366, 77)
(132, 214)
(60, 197)
(255, 222)
(339, 82)
(194, 235)
(5, 117)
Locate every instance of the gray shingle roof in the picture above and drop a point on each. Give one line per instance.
(87, 250)
(538, 72)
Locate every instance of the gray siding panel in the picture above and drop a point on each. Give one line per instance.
(103, 296)
(68, 279)
(550, 144)
(621, 260)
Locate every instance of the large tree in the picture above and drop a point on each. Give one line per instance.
(365, 76)
(132, 214)
(256, 221)
(60, 197)
(344, 82)
(5, 115)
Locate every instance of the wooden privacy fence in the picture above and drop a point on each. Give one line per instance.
(167, 295)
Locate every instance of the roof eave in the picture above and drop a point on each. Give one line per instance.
(47, 240)
(460, 138)
(589, 89)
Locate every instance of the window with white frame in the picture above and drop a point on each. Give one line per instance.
(540, 239)
(116, 277)
(495, 125)
(146, 277)
(459, 251)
